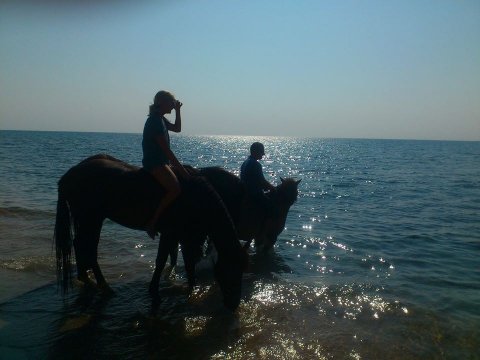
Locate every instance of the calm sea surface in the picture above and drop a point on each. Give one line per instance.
(380, 257)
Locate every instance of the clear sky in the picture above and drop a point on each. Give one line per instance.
(321, 68)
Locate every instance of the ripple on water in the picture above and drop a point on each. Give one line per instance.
(287, 320)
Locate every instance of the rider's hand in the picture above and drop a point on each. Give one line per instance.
(177, 105)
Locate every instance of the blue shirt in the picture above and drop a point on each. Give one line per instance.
(153, 155)
(251, 174)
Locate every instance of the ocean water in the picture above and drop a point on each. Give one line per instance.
(379, 258)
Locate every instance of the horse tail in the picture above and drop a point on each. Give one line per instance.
(63, 241)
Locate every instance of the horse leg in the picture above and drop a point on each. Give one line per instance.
(173, 253)
(189, 258)
(83, 255)
(86, 250)
(167, 245)
(192, 252)
(95, 239)
(101, 282)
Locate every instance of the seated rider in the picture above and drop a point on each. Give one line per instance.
(158, 158)
(251, 174)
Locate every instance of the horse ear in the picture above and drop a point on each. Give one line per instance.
(282, 179)
(298, 181)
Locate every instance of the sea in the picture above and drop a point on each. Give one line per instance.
(379, 258)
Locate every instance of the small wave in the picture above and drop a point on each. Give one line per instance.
(348, 301)
(25, 213)
(36, 264)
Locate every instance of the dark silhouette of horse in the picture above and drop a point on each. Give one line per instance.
(252, 221)
(103, 187)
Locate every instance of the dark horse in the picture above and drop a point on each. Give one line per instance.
(251, 220)
(103, 187)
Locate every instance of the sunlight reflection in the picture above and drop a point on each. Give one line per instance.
(277, 294)
(264, 337)
(199, 293)
(354, 355)
(195, 325)
(341, 246)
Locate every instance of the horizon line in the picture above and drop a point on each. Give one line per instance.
(231, 135)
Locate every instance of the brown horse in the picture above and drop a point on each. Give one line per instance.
(103, 187)
(252, 221)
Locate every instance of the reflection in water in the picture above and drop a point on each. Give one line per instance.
(277, 319)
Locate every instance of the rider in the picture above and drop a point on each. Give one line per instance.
(251, 174)
(158, 158)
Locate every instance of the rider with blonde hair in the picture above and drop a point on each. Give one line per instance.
(158, 158)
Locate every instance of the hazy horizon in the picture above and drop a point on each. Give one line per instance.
(259, 137)
(367, 70)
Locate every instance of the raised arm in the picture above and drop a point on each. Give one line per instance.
(177, 125)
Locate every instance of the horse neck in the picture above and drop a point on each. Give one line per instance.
(216, 217)
(284, 194)
(282, 202)
(222, 231)
(228, 186)
(225, 239)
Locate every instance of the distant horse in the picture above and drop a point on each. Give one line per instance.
(251, 220)
(103, 187)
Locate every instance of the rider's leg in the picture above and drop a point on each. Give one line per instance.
(167, 179)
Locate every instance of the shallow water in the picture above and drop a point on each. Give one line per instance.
(379, 258)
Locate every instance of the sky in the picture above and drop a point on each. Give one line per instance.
(329, 69)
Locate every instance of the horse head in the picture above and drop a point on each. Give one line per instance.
(287, 191)
(282, 198)
(205, 213)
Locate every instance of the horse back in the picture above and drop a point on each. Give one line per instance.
(110, 188)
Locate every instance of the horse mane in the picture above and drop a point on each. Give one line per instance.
(227, 184)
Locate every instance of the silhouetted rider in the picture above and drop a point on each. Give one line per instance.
(251, 174)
